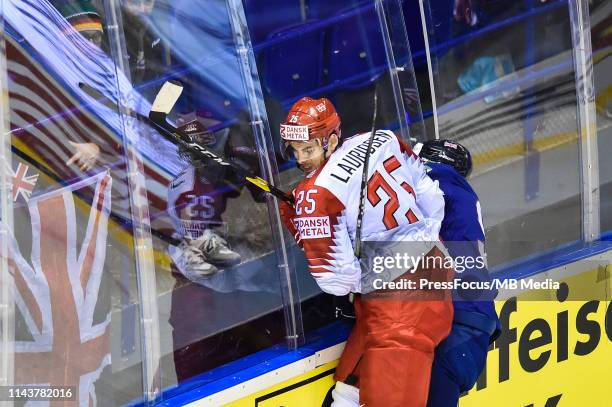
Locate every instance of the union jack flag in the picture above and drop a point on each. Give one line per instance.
(57, 293)
(23, 184)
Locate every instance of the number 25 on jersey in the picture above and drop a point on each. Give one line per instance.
(305, 203)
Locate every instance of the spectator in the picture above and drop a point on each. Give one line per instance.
(86, 21)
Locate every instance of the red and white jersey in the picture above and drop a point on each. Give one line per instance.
(402, 203)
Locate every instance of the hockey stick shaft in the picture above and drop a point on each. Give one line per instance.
(364, 178)
(163, 104)
(157, 119)
(178, 137)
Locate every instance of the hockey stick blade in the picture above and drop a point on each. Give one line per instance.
(167, 97)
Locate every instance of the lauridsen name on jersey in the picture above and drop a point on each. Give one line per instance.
(355, 157)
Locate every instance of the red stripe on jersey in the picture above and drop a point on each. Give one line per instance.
(318, 262)
(405, 148)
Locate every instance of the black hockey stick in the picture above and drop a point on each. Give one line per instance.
(364, 178)
(163, 104)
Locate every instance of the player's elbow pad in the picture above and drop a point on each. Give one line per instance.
(335, 284)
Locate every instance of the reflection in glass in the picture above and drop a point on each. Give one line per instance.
(215, 263)
(70, 204)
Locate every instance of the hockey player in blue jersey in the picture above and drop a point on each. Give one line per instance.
(461, 357)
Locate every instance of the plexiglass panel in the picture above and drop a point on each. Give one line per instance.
(134, 266)
(71, 252)
(221, 268)
(601, 39)
(505, 87)
(341, 55)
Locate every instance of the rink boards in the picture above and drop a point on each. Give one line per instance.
(555, 350)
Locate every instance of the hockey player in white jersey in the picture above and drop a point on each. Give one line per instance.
(388, 356)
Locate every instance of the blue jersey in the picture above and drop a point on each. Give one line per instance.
(462, 230)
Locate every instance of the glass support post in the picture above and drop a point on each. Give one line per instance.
(393, 69)
(265, 148)
(141, 226)
(7, 302)
(585, 115)
(430, 68)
